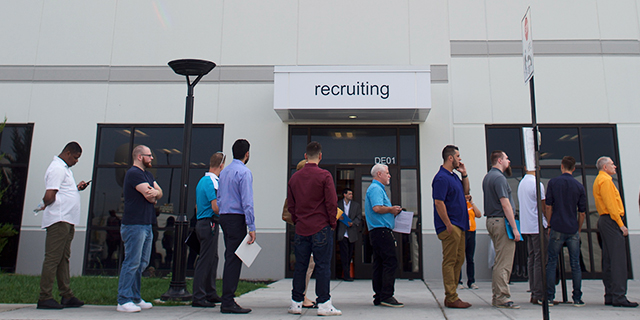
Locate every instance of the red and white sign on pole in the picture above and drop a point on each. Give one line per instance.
(527, 46)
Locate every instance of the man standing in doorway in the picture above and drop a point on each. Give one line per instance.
(528, 200)
(451, 220)
(61, 214)
(612, 231)
(141, 193)
(349, 232)
(312, 202)
(207, 231)
(380, 216)
(566, 205)
(235, 202)
(498, 207)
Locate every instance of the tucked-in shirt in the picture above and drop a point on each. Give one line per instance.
(137, 210)
(377, 196)
(528, 201)
(235, 194)
(312, 200)
(496, 187)
(567, 197)
(472, 217)
(607, 198)
(447, 187)
(206, 191)
(66, 206)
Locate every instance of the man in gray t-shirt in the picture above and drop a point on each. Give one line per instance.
(498, 206)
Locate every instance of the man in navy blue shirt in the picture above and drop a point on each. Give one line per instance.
(451, 220)
(566, 204)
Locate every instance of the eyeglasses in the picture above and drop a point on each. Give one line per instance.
(147, 155)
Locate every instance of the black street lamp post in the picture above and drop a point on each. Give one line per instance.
(177, 288)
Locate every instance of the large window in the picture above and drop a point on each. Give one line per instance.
(112, 160)
(15, 149)
(586, 143)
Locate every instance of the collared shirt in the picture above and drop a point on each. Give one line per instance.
(528, 201)
(206, 191)
(472, 217)
(235, 194)
(312, 200)
(66, 206)
(607, 198)
(347, 206)
(567, 197)
(496, 187)
(447, 187)
(377, 196)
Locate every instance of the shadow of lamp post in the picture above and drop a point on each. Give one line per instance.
(177, 287)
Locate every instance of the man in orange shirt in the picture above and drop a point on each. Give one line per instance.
(612, 231)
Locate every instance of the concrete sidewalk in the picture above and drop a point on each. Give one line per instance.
(422, 301)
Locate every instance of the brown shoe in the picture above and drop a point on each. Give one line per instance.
(459, 304)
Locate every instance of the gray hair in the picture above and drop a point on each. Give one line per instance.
(377, 168)
(602, 161)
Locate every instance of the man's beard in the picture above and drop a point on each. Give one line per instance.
(507, 171)
(147, 164)
(456, 164)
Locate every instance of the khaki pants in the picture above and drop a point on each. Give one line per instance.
(57, 250)
(505, 251)
(452, 260)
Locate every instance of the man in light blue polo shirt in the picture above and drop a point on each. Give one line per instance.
(380, 215)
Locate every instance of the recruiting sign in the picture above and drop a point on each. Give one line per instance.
(527, 46)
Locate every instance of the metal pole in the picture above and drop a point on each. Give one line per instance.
(541, 208)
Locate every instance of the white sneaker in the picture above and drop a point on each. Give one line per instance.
(295, 308)
(128, 307)
(144, 305)
(327, 309)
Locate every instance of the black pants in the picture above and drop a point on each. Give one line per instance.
(385, 263)
(346, 253)
(234, 228)
(614, 260)
(205, 273)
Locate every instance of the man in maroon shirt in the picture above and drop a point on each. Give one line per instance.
(312, 201)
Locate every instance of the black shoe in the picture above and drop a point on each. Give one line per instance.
(608, 303)
(349, 279)
(72, 302)
(215, 299)
(376, 302)
(392, 302)
(626, 304)
(234, 309)
(49, 304)
(203, 304)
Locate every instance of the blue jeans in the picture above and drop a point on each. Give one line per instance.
(321, 245)
(556, 240)
(137, 252)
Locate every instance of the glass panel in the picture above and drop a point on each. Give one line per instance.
(508, 140)
(107, 195)
(597, 251)
(165, 143)
(15, 144)
(557, 143)
(204, 143)
(409, 200)
(513, 181)
(356, 145)
(597, 142)
(114, 146)
(13, 181)
(585, 262)
(298, 144)
(408, 152)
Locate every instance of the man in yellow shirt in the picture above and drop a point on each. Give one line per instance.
(612, 231)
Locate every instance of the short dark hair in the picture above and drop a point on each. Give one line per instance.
(568, 162)
(240, 148)
(346, 190)
(216, 159)
(72, 147)
(495, 156)
(313, 149)
(449, 150)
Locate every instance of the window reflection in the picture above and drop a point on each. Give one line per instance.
(557, 143)
(355, 145)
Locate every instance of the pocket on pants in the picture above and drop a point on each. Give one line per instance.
(320, 238)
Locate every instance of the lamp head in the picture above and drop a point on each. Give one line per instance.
(191, 67)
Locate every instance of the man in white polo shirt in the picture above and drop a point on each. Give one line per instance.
(61, 213)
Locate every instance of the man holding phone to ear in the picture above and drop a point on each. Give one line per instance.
(61, 214)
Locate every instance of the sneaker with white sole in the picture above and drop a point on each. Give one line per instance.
(144, 305)
(128, 307)
(327, 309)
(296, 307)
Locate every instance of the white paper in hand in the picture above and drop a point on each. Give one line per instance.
(248, 252)
(403, 222)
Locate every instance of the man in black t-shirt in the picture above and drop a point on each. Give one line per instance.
(141, 192)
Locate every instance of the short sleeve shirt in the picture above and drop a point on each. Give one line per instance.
(137, 210)
(447, 187)
(206, 191)
(528, 201)
(495, 187)
(377, 196)
(66, 206)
